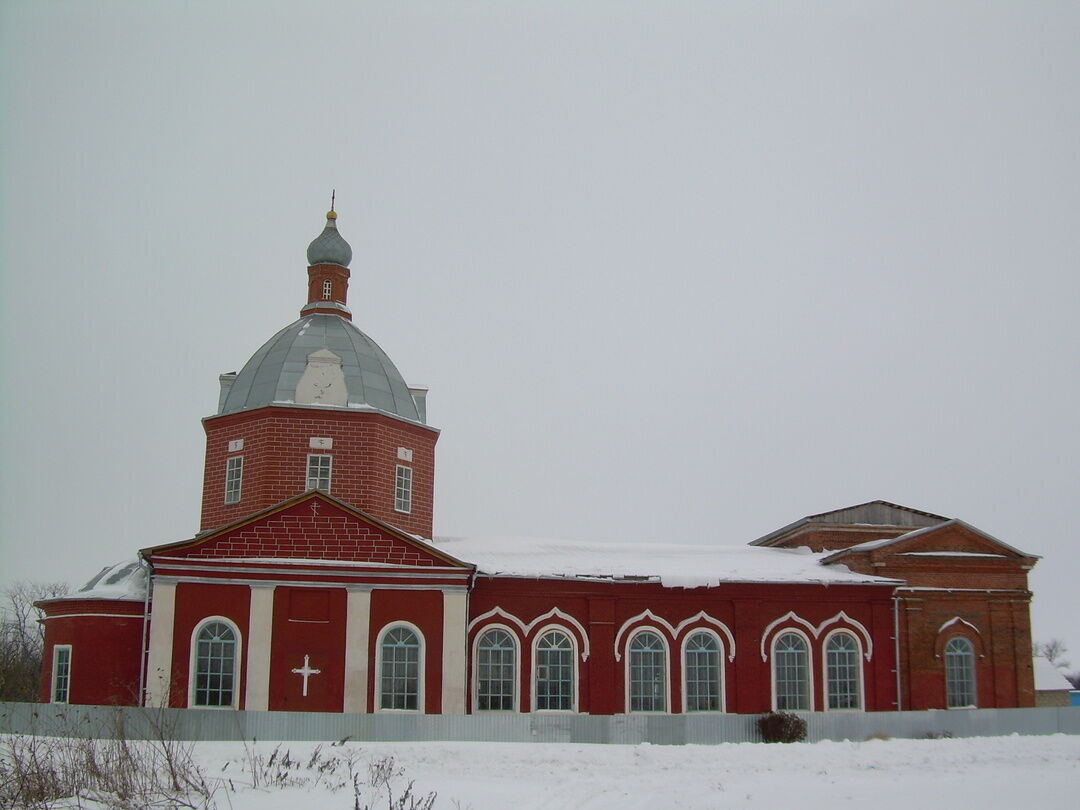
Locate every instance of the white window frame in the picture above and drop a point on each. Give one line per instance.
(329, 472)
(576, 675)
(403, 489)
(230, 469)
(487, 628)
(972, 657)
(809, 668)
(721, 652)
(421, 669)
(193, 662)
(54, 684)
(327, 289)
(629, 659)
(859, 660)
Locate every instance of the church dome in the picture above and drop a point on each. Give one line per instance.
(329, 247)
(321, 360)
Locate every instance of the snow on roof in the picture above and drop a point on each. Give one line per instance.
(1048, 677)
(673, 565)
(125, 580)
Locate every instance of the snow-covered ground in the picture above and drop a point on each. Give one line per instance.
(992, 772)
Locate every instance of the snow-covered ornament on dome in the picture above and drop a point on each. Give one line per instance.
(323, 381)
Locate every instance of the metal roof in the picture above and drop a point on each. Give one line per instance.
(872, 513)
(329, 247)
(272, 373)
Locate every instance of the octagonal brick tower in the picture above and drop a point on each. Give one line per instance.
(321, 406)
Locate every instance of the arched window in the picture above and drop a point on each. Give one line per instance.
(214, 679)
(496, 671)
(554, 685)
(959, 673)
(701, 669)
(842, 672)
(791, 673)
(400, 671)
(327, 289)
(648, 673)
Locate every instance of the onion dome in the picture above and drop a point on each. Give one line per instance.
(329, 247)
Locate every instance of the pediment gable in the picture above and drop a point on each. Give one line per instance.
(951, 539)
(314, 527)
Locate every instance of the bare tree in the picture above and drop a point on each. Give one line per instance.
(1053, 651)
(22, 637)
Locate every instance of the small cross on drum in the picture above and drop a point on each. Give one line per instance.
(306, 671)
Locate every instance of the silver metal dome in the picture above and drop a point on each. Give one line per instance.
(274, 371)
(329, 247)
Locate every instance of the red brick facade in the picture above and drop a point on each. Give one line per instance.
(276, 445)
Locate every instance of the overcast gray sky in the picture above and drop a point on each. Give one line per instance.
(673, 271)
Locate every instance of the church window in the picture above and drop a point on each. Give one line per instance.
(327, 289)
(234, 475)
(399, 669)
(791, 673)
(842, 672)
(496, 671)
(648, 673)
(702, 669)
(215, 665)
(318, 472)
(554, 685)
(959, 673)
(61, 673)
(403, 489)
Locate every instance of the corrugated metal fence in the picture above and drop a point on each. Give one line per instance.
(203, 724)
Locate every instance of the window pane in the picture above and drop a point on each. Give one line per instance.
(648, 673)
(792, 673)
(495, 671)
(400, 674)
(403, 489)
(702, 667)
(842, 672)
(215, 662)
(959, 673)
(554, 672)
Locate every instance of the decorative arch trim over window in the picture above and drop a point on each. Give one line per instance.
(791, 617)
(400, 667)
(215, 664)
(526, 629)
(701, 617)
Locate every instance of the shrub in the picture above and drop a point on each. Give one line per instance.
(783, 727)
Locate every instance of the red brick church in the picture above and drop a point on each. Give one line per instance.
(315, 583)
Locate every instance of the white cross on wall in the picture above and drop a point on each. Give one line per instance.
(306, 671)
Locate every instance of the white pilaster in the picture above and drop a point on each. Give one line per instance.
(260, 633)
(159, 661)
(357, 623)
(455, 616)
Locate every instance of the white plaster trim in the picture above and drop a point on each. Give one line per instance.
(78, 615)
(238, 657)
(357, 634)
(527, 628)
(476, 668)
(702, 616)
(645, 628)
(454, 657)
(160, 655)
(825, 671)
(645, 614)
(955, 620)
(576, 676)
(421, 706)
(792, 616)
(260, 633)
(723, 678)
